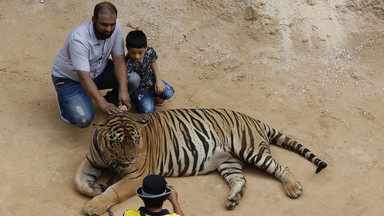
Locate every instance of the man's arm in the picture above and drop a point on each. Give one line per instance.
(121, 73)
(174, 199)
(93, 92)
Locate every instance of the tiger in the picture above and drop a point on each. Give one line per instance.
(182, 142)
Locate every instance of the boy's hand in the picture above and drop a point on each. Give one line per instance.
(159, 87)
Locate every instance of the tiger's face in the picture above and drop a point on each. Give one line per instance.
(123, 141)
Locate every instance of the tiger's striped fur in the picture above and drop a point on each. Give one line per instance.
(182, 142)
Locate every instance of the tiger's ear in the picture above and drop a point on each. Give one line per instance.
(141, 123)
(137, 138)
(97, 126)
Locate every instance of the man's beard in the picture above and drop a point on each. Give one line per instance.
(101, 35)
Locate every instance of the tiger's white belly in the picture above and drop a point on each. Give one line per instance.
(214, 162)
(186, 160)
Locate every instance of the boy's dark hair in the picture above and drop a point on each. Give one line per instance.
(154, 202)
(104, 7)
(136, 39)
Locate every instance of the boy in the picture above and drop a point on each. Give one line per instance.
(154, 192)
(141, 60)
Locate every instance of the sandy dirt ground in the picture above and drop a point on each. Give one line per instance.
(311, 68)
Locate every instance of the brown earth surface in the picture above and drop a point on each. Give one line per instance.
(311, 68)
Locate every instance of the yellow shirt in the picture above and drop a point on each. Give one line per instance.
(133, 212)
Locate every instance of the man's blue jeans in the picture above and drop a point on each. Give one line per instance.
(75, 105)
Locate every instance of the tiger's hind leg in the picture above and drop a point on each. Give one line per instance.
(231, 171)
(265, 162)
(292, 187)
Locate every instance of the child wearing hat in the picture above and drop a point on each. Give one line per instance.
(154, 192)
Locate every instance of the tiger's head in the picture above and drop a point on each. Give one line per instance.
(119, 140)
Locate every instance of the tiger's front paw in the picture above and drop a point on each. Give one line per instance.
(93, 189)
(97, 206)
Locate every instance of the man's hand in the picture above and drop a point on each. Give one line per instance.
(109, 108)
(92, 90)
(124, 100)
(121, 72)
(123, 108)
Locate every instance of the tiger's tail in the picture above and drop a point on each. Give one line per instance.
(283, 141)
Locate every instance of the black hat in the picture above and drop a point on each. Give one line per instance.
(154, 186)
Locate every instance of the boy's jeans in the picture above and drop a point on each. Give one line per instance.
(75, 105)
(146, 103)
